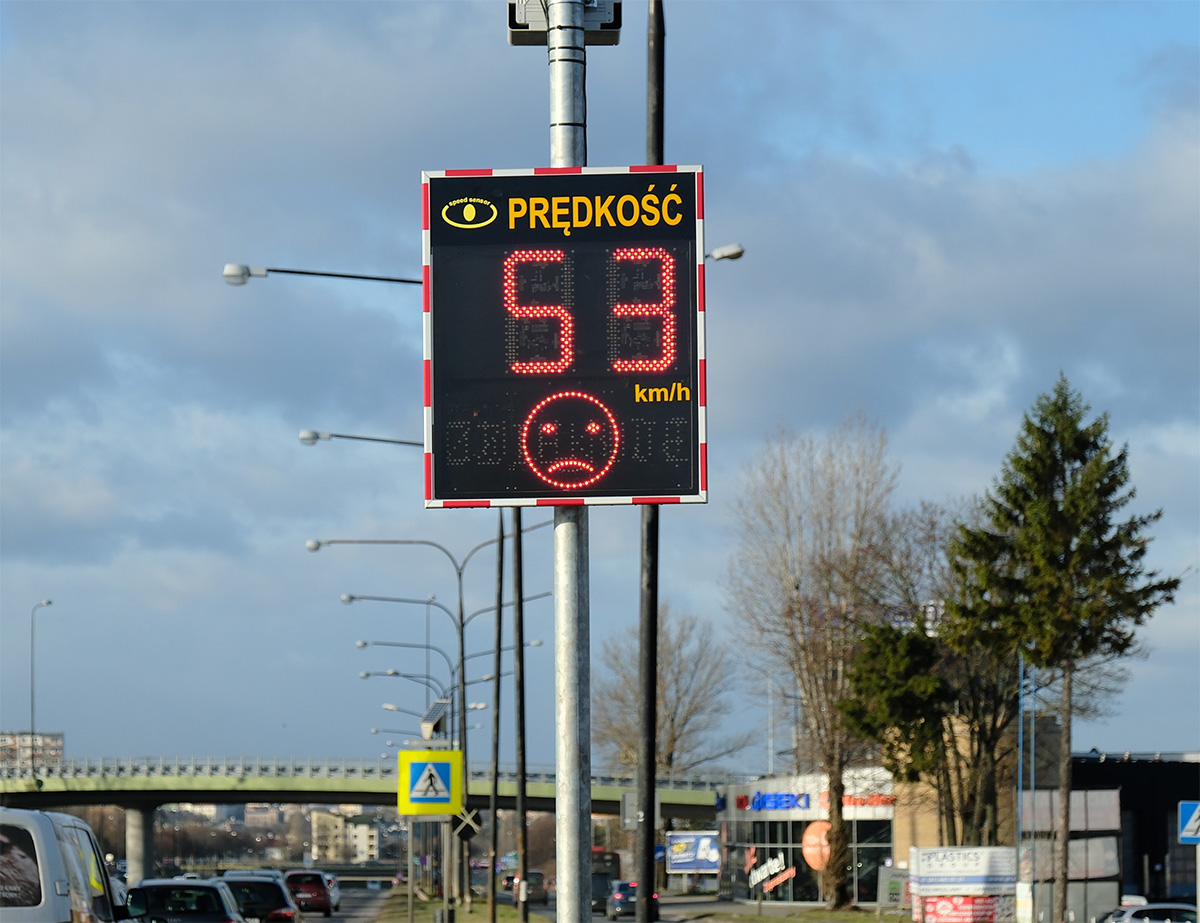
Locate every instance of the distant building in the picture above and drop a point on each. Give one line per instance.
(340, 839)
(19, 750)
(263, 816)
(362, 838)
(207, 811)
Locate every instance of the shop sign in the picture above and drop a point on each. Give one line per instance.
(979, 870)
(772, 801)
(963, 909)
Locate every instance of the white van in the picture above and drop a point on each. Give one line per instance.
(52, 871)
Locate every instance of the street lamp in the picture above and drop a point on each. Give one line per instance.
(239, 274)
(312, 437)
(32, 726)
(727, 252)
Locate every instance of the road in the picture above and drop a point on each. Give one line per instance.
(360, 905)
(682, 908)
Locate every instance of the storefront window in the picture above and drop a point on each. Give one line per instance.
(873, 832)
(867, 862)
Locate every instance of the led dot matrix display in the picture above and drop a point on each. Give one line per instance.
(564, 334)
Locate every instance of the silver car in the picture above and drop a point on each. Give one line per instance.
(1152, 913)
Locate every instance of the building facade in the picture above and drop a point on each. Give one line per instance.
(774, 834)
(20, 750)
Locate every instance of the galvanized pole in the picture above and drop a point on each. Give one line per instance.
(572, 647)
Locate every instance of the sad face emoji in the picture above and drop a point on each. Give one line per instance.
(570, 440)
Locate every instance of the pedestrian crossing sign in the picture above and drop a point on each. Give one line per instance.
(430, 782)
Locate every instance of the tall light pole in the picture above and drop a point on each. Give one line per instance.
(656, 35)
(32, 713)
(460, 626)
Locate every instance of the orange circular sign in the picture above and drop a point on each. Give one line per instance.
(815, 844)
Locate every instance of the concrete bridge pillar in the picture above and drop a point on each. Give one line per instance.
(139, 843)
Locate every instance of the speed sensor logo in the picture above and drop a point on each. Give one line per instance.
(469, 213)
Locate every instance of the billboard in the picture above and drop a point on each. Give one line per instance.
(695, 852)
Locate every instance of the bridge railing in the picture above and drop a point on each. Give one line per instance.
(310, 768)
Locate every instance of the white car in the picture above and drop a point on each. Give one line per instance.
(335, 890)
(1152, 913)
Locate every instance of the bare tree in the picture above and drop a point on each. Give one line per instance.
(807, 573)
(695, 677)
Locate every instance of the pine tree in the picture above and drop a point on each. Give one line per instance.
(1053, 568)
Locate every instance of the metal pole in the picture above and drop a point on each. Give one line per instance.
(572, 713)
(32, 726)
(495, 794)
(648, 630)
(410, 884)
(568, 148)
(446, 850)
(648, 679)
(461, 853)
(519, 682)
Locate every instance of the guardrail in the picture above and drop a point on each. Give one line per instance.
(307, 768)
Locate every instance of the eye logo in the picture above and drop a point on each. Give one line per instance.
(570, 440)
(469, 213)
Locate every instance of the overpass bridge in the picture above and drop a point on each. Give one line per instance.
(141, 784)
(152, 781)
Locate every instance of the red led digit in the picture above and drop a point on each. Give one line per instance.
(662, 309)
(536, 312)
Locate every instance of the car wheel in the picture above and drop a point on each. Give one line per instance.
(328, 911)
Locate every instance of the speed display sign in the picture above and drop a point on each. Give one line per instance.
(564, 336)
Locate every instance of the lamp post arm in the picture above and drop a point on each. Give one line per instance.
(508, 604)
(388, 706)
(411, 645)
(354, 597)
(239, 274)
(432, 684)
(312, 437)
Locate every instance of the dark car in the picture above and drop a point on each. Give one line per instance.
(183, 900)
(601, 885)
(622, 901)
(310, 889)
(264, 899)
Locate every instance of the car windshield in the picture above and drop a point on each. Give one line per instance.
(257, 894)
(181, 900)
(306, 878)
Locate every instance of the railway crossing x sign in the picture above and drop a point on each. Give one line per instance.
(430, 782)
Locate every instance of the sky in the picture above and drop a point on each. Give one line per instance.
(943, 205)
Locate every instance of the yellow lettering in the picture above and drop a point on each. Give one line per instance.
(602, 211)
(633, 218)
(560, 214)
(538, 207)
(581, 205)
(667, 199)
(516, 209)
(650, 209)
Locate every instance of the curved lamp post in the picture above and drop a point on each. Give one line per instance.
(240, 274)
(312, 437)
(32, 725)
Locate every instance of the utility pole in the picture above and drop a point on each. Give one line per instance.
(648, 620)
(572, 646)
